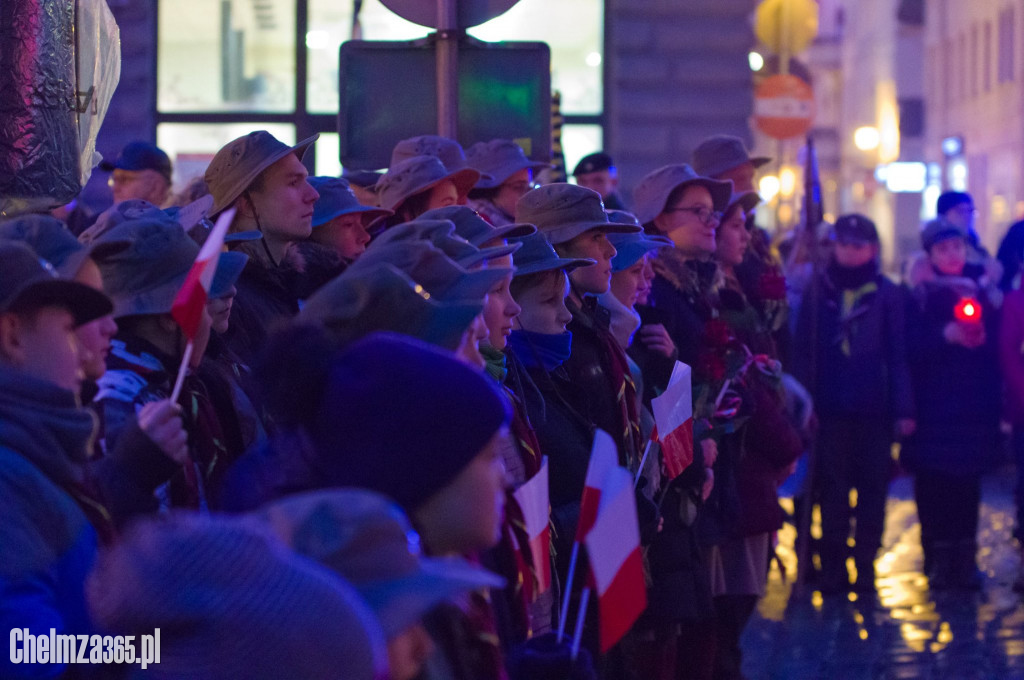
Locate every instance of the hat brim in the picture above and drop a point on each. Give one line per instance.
(748, 200)
(559, 263)
(464, 180)
(402, 602)
(488, 254)
(369, 214)
(229, 268)
(83, 302)
(299, 150)
(495, 180)
(477, 284)
(759, 161)
(506, 232)
(568, 232)
(647, 245)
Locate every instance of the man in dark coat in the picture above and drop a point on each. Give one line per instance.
(861, 386)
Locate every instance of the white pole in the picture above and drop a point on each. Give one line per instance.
(179, 381)
(564, 614)
(578, 633)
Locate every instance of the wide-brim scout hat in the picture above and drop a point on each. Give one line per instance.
(52, 241)
(336, 199)
(499, 159)
(564, 211)
(721, 153)
(240, 162)
(418, 174)
(475, 229)
(651, 195)
(536, 255)
(367, 539)
(30, 282)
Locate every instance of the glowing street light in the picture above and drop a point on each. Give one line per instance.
(756, 61)
(768, 188)
(867, 138)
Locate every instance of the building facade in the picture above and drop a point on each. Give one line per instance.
(644, 79)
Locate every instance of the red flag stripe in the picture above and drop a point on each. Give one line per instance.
(677, 449)
(540, 547)
(623, 601)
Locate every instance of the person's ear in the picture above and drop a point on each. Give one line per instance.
(661, 224)
(11, 341)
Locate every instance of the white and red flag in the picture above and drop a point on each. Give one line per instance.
(533, 501)
(616, 565)
(188, 305)
(604, 456)
(673, 421)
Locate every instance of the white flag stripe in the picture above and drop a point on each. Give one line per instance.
(533, 501)
(675, 406)
(212, 248)
(603, 457)
(615, 534)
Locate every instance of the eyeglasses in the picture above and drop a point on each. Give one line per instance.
(703, 214)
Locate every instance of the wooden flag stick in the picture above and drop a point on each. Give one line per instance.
(180, 380)
(578, 633)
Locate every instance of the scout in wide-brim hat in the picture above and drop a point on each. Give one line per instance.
(651, 195)
(564, 211)
(419, 174)
(241, 161)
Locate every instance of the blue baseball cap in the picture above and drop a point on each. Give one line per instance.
(140, 156)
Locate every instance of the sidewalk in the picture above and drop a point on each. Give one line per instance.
(906, 632)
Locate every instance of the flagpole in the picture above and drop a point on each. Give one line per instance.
(643, 461)
(564, 614)
(180, 380)
(578, 633)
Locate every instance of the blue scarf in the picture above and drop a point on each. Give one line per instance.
(541, 350)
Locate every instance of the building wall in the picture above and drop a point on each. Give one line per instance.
(973, 83)
(678, 72)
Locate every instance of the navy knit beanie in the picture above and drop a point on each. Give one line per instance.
(403, 418)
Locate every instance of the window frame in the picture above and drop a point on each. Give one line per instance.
(307, 123)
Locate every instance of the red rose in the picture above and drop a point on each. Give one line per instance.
(771, 286)
(717, 333)
(711, 366)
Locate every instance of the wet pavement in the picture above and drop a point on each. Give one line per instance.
(906, 631)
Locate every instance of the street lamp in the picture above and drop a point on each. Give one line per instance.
(867, 138)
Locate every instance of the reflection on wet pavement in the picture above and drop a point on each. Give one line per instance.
(906, 631)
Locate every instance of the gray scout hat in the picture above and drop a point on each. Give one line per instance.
(499, 159)
(232, 601)
(417, 174)
(428, 266)
(52, 241)
(721, 153)
(652, 193)
(366, 538)
(188, 217)
(537, 255)
(748, 200)
(442, 234)
(145, 277)
(382, 298)
(336, 199)
(30, 282)
(475, 229)
(448, 151)
(239, 163)
(564, 211)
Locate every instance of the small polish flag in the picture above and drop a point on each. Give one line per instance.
(533, 500)
(616, 566)
(187, 308)
(673, 419)
(604, 456)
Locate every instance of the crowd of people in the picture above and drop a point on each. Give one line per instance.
(384, 360)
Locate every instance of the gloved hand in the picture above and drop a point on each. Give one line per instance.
(543, 658)
(647, 514)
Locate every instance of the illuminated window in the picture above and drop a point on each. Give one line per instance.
(227, 67)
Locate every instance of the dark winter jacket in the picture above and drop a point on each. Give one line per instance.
(1011, 355)
(957, 389)
(47, 545)
(860, 358)
(266, 298)
(597, 370)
